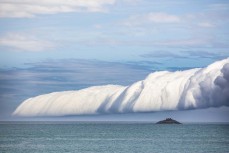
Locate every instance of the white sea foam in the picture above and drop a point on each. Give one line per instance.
(180, 90)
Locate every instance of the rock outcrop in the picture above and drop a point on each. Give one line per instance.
(168, 121)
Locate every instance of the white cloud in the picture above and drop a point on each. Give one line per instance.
(206, 25)
(22, 42)
(181, 90)
(153, 17)
(31, 8)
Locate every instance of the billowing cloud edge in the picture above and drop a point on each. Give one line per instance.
(163, 90)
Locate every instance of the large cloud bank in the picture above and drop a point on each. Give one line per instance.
(180, 90)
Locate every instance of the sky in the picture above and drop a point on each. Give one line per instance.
(58, 45)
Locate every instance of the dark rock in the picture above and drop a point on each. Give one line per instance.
(168, 121)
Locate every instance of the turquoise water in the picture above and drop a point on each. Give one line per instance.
(52, 137)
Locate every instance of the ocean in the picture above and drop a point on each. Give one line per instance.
(112, 137)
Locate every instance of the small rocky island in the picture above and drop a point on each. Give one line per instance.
(168, 121)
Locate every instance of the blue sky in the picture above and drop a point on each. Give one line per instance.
(56, 45)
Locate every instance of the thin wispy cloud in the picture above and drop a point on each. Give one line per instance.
(187, 55)
(206, 25)
(152, 17)
(22, 42)
(31, 8)
(218, 7)
(194, 42)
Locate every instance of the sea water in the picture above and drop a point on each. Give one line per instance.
(112, 137)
